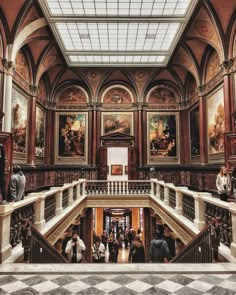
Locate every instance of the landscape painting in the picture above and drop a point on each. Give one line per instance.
(117, 122)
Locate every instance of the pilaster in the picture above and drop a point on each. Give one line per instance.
(32, 125)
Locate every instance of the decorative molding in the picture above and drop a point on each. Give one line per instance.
(201, 90)
(184, 233)
(33, 90)
(227, 67)
(60, 227)
(8, 67)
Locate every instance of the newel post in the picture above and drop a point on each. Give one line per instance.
(232, 209)
(39, 209)
(5, 223)
(200, 209)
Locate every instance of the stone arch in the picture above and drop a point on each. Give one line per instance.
(72, 94)
(116, 94)
(163, 93)
(212, 66)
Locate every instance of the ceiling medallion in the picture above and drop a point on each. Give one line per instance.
(140, 76)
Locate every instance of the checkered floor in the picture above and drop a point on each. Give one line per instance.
(123, 284)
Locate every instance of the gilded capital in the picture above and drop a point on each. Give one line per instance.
(34, 90)
(226, 66)
(8, 66)
(201, 90)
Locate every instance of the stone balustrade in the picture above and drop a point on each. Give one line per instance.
(199, 208)
(39, 208)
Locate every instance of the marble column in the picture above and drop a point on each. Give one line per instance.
(94, 149)
(202, 126)
(8, 68)
(90, 134)
(99, 221)
(140, 134)
(135, 218)
(147, 231)
(32, 126)
(88, 234)
(226, 67)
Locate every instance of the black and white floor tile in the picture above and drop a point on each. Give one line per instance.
(119, 284)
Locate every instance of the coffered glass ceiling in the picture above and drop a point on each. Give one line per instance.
(117, 32)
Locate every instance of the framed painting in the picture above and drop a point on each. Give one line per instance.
(116, 169)
(162, 137)
(117, 122)
(216, 124)
(126, 169)
(71, 138)
(19, 123)
(40, 132)
(194, 132)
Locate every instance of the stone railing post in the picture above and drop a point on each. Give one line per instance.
(39, 209)
(232, 209)
(59, 208)
(70, 193)
(179, 200)
(5, 223)
(200, 209)
(152, 186)
(158, 190)
(83, 187)
(166, 195)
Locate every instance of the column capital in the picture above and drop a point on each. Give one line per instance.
(8, 67)
(33, 90)
(201, 90)
(226, 67)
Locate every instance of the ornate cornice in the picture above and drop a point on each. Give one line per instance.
(201, 90)
(33, 90)
(8, 66)
(227, 66)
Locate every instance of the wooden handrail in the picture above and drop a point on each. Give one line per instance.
(199, 250)
(36, 248)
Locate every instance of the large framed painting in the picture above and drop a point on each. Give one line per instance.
(194, 132)
(216, 124)
(117, 122)
(116, 169)
(71, 138)
(162, 137)
(40, 132)
(19, 123)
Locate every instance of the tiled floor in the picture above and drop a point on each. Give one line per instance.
(122, 284)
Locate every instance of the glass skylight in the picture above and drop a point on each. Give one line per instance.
(117, 36)
(116, 59)
(128, 32)
(118, 7)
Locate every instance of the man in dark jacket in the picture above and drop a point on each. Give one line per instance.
(159, 251)
(17, 185)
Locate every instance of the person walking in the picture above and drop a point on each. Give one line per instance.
(98, 251)
(74, 248)
(223, 184)
(136, 253)
(17, 185)
(159, 251)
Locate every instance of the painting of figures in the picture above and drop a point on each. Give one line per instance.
(40, 132)
(116, 169)
(19, 121)
(216, 122)
(162, 136)
(117, 122)
(194, 132)
(72, 135)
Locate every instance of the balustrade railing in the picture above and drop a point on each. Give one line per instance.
(198, 250)
(213, 211)
(162, 194)
(172, 198)
(104, 187)
(26, 212)
(50, 207)
(65, 199)
(188, 207)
